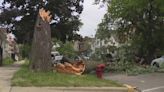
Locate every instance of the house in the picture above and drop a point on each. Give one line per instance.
(83, 46)
(7, 43)
(105, 43)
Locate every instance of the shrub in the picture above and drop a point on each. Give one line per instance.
(7, 61)
(25, 50)
(129, 68)
(91, 65)
(161, 68)
(139, 70)
(67, 49)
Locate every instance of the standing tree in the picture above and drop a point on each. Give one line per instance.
(138, 22)
(21, 16)
(1, 52)
(41, 45)
(2, 39)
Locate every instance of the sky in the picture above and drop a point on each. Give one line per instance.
(91, 17)
(1, 2)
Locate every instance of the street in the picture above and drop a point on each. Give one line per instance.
(153, 82)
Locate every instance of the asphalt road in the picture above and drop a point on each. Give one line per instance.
(153, 82)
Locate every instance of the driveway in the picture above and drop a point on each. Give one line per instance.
(153, 82)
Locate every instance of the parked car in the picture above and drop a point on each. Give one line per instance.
(158, 62)
(56, 57)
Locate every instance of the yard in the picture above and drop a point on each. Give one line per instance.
(25, 77)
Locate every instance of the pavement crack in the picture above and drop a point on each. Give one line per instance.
(10, 89)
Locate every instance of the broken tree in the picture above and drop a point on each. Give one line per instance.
(41, 45)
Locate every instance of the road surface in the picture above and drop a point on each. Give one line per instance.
(153, 82)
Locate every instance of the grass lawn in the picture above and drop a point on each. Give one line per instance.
(7, 61)
(24, 77)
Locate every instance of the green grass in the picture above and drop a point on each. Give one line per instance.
(7, 61)
(24, 77)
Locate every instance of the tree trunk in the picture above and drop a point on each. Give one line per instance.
(1, 56)
(2, 39)
(41, 46)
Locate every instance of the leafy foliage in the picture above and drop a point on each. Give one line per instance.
(21, 15)
(7, 61)
(67, 49)
(24, 50)
(102, 31)
(137, 23)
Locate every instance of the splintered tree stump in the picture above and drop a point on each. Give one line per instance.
(41, 45)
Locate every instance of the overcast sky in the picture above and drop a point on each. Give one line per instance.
(91, 17)
(1, 2)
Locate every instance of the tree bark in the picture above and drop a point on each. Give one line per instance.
(1, 56)
(41, 46)
(2, 39)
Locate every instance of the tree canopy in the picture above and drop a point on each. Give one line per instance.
(21, 15)
(138, 22)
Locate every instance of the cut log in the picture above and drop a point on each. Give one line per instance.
(75, 68)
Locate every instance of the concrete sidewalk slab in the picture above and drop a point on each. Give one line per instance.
(5, 89)
(69, 89)
(6, 73)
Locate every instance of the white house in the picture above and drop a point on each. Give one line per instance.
(98, 43)
(8, 43)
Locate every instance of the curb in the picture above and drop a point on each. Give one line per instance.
(69, 89)
(132, 88)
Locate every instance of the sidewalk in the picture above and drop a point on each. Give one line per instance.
(6, 73)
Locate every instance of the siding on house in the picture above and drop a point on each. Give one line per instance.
(97, 43)
(6, 43)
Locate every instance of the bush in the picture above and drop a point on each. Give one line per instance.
(161, 69)
(119, 67)
(91, 66)
(129, 68)
(25, 50)
(67, 49)
(97, 56)
(139, 70)
(7, 61)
